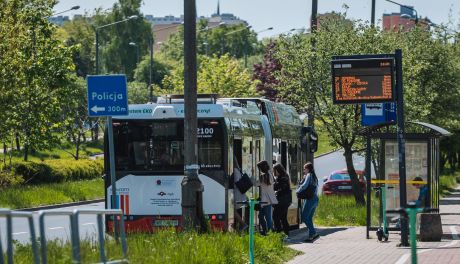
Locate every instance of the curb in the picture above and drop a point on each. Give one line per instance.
(54, 206)
(327, 153)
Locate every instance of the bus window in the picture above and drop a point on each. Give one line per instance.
(158, 145)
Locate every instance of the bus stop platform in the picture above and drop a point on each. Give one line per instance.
(348, 245)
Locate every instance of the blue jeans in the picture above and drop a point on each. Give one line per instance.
(265, 219)
(308, 211)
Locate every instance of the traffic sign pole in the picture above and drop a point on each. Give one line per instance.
(107, 96)
(113, 178)
(401, 145)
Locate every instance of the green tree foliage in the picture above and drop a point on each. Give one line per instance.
(430, 72)
(34, 83)
(117, 56)
(159, 70)
(138, 93)
(232, 39)
(223, 76)
(80, 33)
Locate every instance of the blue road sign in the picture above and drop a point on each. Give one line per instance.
(107, 95)
(373, 114)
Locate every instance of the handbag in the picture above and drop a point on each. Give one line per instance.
(244, 184)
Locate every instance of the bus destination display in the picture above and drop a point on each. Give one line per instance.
(362, 81)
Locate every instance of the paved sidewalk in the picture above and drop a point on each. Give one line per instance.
(349, 244)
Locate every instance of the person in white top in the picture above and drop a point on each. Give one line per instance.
(267, 196)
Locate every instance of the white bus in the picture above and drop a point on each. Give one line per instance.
(149, 156)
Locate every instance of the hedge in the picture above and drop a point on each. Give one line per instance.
(61, 170)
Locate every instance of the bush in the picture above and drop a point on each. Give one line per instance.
(61, 170)
(8, 179)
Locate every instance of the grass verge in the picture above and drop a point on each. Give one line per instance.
(172, 247)
(45, 194)
(86, 149)
(448, 181)
(342, 211)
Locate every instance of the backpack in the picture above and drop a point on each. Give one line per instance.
(309, 192)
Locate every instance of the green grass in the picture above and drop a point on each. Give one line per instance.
(45, 194)
(342, 211)
(86, 149)
(172, 247)
(448, 181)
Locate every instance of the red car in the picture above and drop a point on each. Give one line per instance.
(339, 182)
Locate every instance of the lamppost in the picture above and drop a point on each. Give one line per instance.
(230, 33)
(97, 37)
(134, 44)
(246, 45)
(110, 129)
(206, 43)
(408, 7)
(72, 8)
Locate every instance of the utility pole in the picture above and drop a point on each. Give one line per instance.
(373, 14)
(151, 70)
(192, 189)
(311, 106)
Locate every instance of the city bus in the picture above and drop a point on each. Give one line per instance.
(149, 157)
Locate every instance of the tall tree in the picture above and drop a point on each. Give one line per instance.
(223, 76)
(265, 73)
(80, 33)
(42, 72)
(117, 55)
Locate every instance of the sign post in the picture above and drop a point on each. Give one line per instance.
(370, 79)
(107, 96)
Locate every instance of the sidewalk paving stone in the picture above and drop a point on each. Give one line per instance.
(348, 245)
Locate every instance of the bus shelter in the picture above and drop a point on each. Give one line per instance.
(422, 162)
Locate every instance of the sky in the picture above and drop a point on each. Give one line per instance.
(282, 15)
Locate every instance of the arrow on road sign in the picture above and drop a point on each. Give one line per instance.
(96, 109)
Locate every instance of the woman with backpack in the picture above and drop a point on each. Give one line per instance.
(307, 190)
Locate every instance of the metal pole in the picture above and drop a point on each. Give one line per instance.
(97, 51)
(191, 184)
(401, 145)
(251, 230)
(113, 179)
(368, 184)
(314, 14)
(151, 71)
(310, 109)
(373, 13)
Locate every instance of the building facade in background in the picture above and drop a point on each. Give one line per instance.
(405, 20)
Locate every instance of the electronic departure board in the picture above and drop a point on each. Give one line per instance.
(362, 80)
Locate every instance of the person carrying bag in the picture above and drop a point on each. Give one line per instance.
(308, 189)
(284, 196)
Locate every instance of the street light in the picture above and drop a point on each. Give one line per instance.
(230, 33)
(97, 36)
(408, 7)
(134, 44)
(206, 43)
(72, 8)
(246, 46)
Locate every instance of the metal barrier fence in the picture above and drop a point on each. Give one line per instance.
(75, 235)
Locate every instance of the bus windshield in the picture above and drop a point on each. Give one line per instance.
(158, 145)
